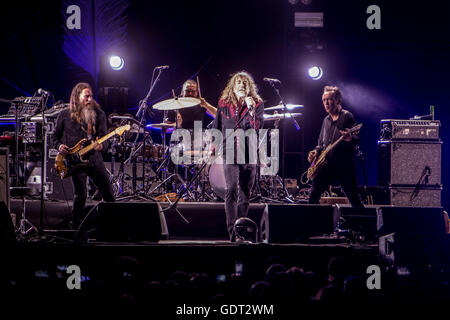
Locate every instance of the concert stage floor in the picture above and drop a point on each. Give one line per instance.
(203, 242)
(39, 263)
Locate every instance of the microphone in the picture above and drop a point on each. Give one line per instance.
(42, 91)
(249, 105)
(162, 67)
(271, 80)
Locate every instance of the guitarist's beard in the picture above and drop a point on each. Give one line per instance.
(89, 117)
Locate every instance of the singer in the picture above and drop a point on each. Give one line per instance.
(239, 107)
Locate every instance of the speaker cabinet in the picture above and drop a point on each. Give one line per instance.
(415, 196)
(7, 234)
(363, 221)
(131, 222)
(417, 252)
(4, 175)
(58, 189)
(409, 163)
(406, 220)
(292, 223)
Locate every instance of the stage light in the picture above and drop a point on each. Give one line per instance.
(315, 72)
(245, 230)
(116, 62)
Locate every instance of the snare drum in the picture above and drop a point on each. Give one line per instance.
(154, 152)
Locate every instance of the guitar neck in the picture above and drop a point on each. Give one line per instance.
(335, 143)
(101, 140)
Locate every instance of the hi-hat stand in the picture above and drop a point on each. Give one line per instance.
(141, 114)
(285, 109)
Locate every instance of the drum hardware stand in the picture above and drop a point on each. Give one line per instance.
(25, 226)
(272, 84)
(162, 168)
(258, 195)
(143, 109)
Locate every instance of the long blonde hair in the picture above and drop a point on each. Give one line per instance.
(228, 95)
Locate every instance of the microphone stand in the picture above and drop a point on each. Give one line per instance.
(173, 205)
(43, 164)
(272, 84)
(143, 108)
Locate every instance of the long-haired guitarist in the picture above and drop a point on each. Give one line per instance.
(339, 167)
(83, 119)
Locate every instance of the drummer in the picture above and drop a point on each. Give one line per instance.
(187, 116)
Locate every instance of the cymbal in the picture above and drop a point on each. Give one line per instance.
(281, 107)
(161, 126)
(280, 116)
(176, 103)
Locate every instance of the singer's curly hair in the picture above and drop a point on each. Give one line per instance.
(228, 93)
(75, 106)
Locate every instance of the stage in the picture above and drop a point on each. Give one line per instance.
(198, 259)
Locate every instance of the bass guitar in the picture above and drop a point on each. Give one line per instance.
(66, 164)
(320, 161)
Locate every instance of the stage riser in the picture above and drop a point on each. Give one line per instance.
(206, 220)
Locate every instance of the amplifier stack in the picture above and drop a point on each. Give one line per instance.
(409, 162)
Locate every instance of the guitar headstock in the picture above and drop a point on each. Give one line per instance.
(122, 129)
(355, 129)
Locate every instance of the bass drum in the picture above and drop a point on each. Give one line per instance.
(217, 179)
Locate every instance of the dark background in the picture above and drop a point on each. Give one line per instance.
(395, 72)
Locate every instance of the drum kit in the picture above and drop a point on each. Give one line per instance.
(145, 169)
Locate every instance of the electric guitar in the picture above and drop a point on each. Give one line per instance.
(320, 161)
(66, 164)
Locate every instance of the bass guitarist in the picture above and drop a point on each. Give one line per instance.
(339, 167)
(83, 119)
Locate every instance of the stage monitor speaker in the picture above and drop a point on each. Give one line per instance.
(409, 163)
(291, 223)
(207, 220)
(408, 220)
(131, 222)
(4, 175)
(7, 234)
(363, 221)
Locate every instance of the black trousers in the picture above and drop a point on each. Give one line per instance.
(240, 179)
(342, 173)
(97, 172)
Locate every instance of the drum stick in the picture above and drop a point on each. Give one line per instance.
(198, 87)
(173, 93)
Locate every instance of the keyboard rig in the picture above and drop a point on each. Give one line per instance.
(26, 107)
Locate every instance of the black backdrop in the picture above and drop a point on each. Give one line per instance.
(395, 72)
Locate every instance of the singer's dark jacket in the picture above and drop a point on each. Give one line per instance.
(228, 116)
(69, 132)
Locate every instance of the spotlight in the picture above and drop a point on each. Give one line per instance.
(116, 62)
(315, 72)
